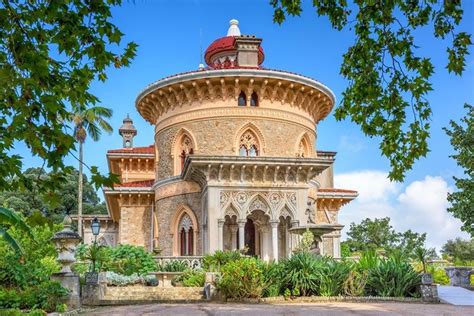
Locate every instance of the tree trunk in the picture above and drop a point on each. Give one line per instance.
(79, 192)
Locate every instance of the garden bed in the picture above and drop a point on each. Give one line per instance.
(326, 299)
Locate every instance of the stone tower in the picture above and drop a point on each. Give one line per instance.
(128, 132)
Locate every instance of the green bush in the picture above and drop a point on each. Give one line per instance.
(332, 275)
(242, 278)
(218, 259)
(392, 277)
(45, 296)
(274, 284)
(192, 278)
(301, 272)
(355, 283)
(128, 260)
(116, 279)
(439, 275)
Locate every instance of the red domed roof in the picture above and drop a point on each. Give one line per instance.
(225, 44)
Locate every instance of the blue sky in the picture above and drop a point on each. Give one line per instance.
(170, 35)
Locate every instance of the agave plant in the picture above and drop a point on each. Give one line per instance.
(332, 275)
(9, 218)
(301, 272)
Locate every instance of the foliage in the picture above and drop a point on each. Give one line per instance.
(392, 277)
(355, 283)
(128, 259)
(116, 279)
(332, 275)
(35, 265)
(97, 255)
(18, 312)
(301, 272)
(274, 279)
(242, 278)
(422, 256)
(459, 249)
(214, 262)
(9, 218)
(46, 296)
(439, 275)
(345, 250)
(388, 81)
(306, 242)
(173, 266)
(192, 278)
(378, 234)
(50, 53)
(462, 140)
(28, 202)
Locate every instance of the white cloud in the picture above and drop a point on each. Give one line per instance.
(421, 206)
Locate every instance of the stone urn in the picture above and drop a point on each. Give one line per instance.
(66, 242)
(459, 276)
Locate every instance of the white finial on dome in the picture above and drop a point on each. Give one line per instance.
(234, 28)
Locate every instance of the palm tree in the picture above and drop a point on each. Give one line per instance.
(88, 121)
(9, 218)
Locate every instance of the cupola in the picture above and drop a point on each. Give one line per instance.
(128, 132)
(235, 50)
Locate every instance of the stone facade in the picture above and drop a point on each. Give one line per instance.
(234, 163)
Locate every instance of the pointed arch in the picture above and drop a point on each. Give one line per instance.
(254, 131)
(184, 144)
(303, 147)
(184, 224)
(258, 202)
(242, 99)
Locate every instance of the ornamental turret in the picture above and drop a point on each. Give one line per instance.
(128, 132)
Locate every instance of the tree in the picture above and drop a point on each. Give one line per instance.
(462, 139)
(88, 121)
(378, 234)
(459, 249)
(388, 81)
(27, 202)
(50, 53)
(9, 218)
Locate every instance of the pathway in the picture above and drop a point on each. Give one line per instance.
(455, 295)
(353, 309)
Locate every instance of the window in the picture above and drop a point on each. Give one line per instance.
(242, 99)
(254, 99)
(186, 238)
(186, 147)
(248, 145)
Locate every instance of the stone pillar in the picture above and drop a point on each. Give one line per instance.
(265, 248)
(220, 233)
(66, 241)
(234, 229)
(213, 211)
(274, 240)
(242, 234)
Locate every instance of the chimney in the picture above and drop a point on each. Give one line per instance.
(247, 50)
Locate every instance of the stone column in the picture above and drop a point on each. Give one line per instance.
(213, 209)
(274, 240)
(234, 229)
(242, 234)
(220, 233)
(264, 238)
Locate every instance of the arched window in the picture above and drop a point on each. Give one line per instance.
(186, 149)
(186, 238)
(303, 148)
(248, 145)
(254, 99)
(242, 99)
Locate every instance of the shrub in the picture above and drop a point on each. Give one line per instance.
(439, 275)
(128, 260)
(219, 258)
(116, 279)
(242, 278)
(192, 278)
(332, 275)
(173, 266)
(355, 283)
(392, 277)
(45, 296)
(301, 272)
(274, 279)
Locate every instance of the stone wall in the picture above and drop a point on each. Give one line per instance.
(135, 226)
(218, 137)
(166, 209)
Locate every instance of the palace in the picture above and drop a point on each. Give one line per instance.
(233, 163)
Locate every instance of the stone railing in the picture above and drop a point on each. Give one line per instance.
(191, 261)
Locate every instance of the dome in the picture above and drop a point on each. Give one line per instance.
(222, 52)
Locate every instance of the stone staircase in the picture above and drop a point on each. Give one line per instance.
(146, 294)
